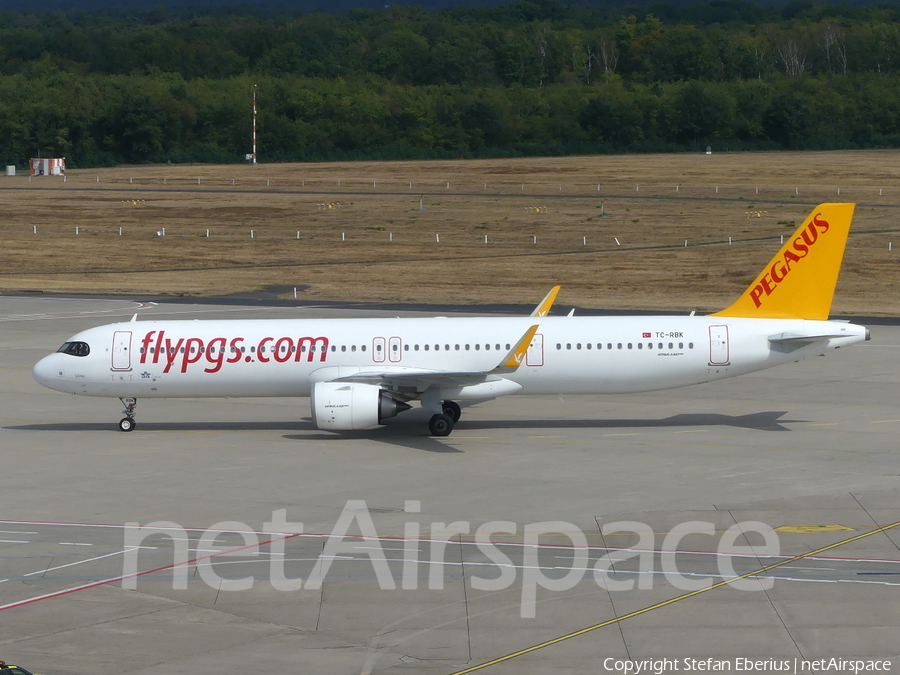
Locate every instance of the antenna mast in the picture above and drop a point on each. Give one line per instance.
(253, 156)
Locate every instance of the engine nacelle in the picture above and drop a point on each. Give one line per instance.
(339, 406)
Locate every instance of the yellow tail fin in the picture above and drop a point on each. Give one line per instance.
(799, 281)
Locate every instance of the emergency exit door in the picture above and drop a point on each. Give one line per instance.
(535, 354)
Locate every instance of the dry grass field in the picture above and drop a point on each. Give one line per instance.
(364, 237)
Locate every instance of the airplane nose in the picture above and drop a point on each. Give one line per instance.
(45, 370)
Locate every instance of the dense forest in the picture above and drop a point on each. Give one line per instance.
(532, 77)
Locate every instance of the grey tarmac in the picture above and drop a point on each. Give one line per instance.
(810, 448)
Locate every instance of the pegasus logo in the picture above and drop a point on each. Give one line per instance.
(798, 249)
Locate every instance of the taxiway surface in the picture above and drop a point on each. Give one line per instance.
(810, 449)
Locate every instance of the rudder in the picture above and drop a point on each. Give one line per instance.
(799, 281)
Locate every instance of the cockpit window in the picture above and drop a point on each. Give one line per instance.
(75, 349)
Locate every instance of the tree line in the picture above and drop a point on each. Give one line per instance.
(532, 77)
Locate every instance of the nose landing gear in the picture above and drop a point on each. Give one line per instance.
(127, 423)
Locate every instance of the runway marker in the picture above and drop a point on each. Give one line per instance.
(692, 431)
(13, 541)
(68, 543)
(634, 434)
(16, 532)
(80, 562)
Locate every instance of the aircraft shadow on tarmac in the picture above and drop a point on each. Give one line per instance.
(761, 421)
(410, 431)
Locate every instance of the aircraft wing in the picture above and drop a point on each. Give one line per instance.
(543, 309)
(406, 379)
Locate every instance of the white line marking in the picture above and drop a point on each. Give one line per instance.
(16, 532)
(70, 543)
(79, 562)
(13, 541)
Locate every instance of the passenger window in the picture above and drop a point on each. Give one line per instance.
(447, 348)
(457, 347)
(487, 347)
(629, 345)
(353, 348)
(680, 345)
(181, 350)
(363, 348)
(302, 349)
(497, 347)
(417, 347)
(558, 346)
(142, 350)
(690, 345)
(426, 347)
(378, 348)
(394, 347)
(588, 345)
(609, 346)
(508, 346)
(650, 345)
(343, 348)
(641, 345)
(406, 348)
(437, 348)
(578, 346)
(193, 350)
(670, 345)
(333, 348)
(660, 345)
(467, 347)
(568, 345)
(477, 346)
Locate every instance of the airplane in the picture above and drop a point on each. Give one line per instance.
(360, 372)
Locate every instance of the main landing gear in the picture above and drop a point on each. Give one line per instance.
(442, 423)
(127, 423)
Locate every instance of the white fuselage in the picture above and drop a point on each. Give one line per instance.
(568, 355)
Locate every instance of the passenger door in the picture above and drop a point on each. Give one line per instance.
(718, 346)
(121, 350)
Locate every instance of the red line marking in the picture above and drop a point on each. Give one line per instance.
(105, 582)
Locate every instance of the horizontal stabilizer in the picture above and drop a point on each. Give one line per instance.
(796, 337)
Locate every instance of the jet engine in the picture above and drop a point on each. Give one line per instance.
(350, 405)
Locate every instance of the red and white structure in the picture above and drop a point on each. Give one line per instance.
(48, 167)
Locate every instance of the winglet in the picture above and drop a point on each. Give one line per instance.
(516, 356)
(543, 309)
(798, 283)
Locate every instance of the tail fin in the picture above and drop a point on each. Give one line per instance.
(799, 281)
